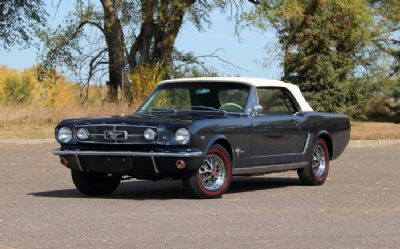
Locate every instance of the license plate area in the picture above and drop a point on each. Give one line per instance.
(107, 164)
(118, 162)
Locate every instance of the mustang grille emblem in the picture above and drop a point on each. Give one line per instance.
(115, 135)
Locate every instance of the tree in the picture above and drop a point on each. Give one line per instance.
(18, 21)
(387, 12)
(322, 42)
(129, 35)
(134, 35)
(387, 41)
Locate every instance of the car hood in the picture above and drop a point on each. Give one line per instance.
(144, 119)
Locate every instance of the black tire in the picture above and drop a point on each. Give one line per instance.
(94, 183)
(317, 169)
(217, 167)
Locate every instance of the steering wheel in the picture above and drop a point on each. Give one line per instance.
(231, 104)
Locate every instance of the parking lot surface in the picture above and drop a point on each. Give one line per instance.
(358, 207)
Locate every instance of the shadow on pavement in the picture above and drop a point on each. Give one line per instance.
(143, 190)
(248, 184)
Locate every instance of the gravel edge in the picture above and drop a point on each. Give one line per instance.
(27, 141)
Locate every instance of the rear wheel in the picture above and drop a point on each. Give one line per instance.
(94, 183)
(317, 169)
(214, 176)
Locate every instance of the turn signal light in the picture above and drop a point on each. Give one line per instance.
(180, 164)
(64, 162)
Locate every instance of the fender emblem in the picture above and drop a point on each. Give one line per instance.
(238, 151)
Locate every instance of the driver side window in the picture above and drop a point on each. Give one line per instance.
(233, 100)
(276, 101)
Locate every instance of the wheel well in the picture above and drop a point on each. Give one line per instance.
(328, 141)
(226, 145)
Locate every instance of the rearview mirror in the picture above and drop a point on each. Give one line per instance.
(257, 109)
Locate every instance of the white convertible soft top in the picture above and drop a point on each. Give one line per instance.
(258, 82)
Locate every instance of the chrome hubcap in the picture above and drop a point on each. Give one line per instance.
(212, 172)
(319, 161)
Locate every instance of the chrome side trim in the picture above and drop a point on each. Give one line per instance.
(307, 142)
(59, 152)
(268, 168)
(278, 155)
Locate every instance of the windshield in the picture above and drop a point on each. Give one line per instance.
(206, 96)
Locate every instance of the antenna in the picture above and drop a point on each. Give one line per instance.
(122, 92)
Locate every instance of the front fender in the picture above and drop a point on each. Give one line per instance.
(212, 141)
(222, 140)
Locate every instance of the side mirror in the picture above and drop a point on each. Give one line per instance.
(257, 109)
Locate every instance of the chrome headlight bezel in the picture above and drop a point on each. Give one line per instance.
(82, 134)
(182, 136)
(64, 135)
(150, 134)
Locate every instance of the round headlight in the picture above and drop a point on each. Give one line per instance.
(182, 136)
(82, 134)
(150, 134)
(64, 134)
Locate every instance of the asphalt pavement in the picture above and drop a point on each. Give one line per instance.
(358, 207)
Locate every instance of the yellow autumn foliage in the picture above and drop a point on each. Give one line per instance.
(54, 91)
(50, 100)
(145, 80)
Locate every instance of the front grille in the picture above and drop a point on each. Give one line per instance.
(134, 134)
(165, 135)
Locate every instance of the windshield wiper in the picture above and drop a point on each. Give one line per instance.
(206, 108)
(157, 110)
(173, 111)
(162, 110)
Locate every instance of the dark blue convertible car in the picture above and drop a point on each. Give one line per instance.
(204, 131)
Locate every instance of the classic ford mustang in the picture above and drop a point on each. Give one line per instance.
(204, 131)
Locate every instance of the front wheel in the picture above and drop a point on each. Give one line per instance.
(94, 183)
(214, 176)
(317, 169)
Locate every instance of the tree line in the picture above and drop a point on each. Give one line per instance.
(344, 54)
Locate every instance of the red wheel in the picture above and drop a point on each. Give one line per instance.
(317, 169)
(214, 176)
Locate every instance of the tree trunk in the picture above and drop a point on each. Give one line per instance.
(115, 43)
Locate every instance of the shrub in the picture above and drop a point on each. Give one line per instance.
(17, 90)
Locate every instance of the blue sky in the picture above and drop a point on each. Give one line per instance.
(249, 51)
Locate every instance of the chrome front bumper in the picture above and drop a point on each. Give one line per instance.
(60, 152)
